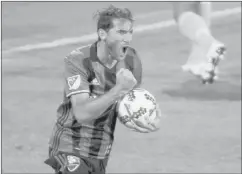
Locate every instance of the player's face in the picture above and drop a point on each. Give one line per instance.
(119, 38)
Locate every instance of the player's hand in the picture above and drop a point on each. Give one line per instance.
(152, 124)
(140, 129)
(125, 81)
(157, 120)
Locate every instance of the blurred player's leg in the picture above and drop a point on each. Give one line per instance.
(193, 20)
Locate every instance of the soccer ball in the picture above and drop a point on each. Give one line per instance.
(138, 109)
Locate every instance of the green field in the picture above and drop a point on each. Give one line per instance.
(202, 131)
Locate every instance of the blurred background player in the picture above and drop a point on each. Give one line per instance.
(193, 21)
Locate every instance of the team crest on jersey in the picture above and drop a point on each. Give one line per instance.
(74, 82)
(73, 163)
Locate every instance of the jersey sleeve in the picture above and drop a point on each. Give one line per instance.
(75, 74)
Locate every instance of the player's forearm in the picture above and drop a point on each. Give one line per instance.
(94, 107)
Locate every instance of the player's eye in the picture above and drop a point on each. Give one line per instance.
(122, 31)
(131, 31)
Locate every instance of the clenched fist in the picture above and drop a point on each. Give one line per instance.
(125, 80)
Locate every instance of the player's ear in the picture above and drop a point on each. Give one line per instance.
(102, 34)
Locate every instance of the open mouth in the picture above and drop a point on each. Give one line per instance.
(124, 49)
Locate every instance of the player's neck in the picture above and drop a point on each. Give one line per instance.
(104, 56)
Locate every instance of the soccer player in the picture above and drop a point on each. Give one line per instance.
(96, 77)
(193, 20)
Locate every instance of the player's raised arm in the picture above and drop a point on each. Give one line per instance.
(86, 108)
(134, 64)
(77, 87)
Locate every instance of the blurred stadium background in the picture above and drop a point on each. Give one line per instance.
(202, 131)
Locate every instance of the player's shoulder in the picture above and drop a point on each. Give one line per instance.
(79, 54)
(132, 55)
(132, 58)
(132, 52)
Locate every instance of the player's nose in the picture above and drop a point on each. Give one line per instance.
(127, 38)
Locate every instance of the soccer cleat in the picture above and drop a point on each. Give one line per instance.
(215, 55)
(207, 71)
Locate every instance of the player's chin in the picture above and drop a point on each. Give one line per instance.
(120, 58)
(122, 53)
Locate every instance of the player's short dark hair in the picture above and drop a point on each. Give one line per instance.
(105, 17)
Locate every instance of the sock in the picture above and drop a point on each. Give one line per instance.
(194, 27)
